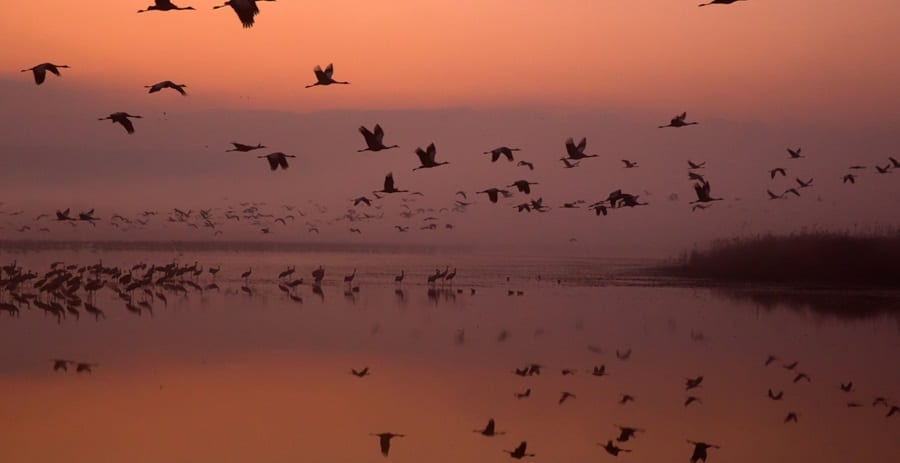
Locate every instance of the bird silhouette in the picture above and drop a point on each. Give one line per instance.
(803, 184)
(849, 178)
(625, 399)
(775, 396)
(524, 186)
(520, 451)
(702, 190)
(167, 84)
(489, 430)
(691, 399)
(244, 148)
(389, 185)
(503, 151)
(776, 171)
(802, 376)
(629, 164)
(40, 71)
(795, 154)
(246, 10)
(325, 77)
(374, 139)
(791, 416)
(700, 450)
(495, 193)
(121, 118)
(60, 364)
(523, 395)
(527, 164)
(627, 432)
(565, 396)
(84, 367)
(696, 165)
(576, 152)
(612, 449)
(384, 441)
(360, 373)
(847, 387)
(679, 121)
(426, 158)
(164, 5)
(277, 159)
(691, 383)
(720, 2)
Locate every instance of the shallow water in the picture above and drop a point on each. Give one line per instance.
(223, 376)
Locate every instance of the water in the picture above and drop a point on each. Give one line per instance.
(228, 377)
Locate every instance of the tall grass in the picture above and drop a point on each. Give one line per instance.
(807, 258)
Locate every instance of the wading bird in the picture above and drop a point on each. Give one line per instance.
(121, 118)
(374, 139)
(277, 159)
(40, 71)
(246, 10)
(679, 121)
(325, 77)
(167, 84)
(164, 5)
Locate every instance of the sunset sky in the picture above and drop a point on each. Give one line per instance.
(759, 75)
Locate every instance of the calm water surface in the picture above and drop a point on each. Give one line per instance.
(228, 377)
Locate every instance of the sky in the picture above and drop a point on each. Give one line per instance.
(759, 77)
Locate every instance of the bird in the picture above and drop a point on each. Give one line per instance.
(790, 366)
(167, 84)
(426, 157)
(569, 165)
(565, 396)
(700, 449)
(246, 275)
(695, 176)
(803, 184)
(849, 178)
(504, 151)
(244, 148)
(894, 163)
(360, 373)
(702, 190)
(59, 364)
(84, 367)
(770, 359)
(801, 376)
(678, 121)
(164, 5)
(791, 416)
(374, 139)
(361, 200)
(775, 171)
(883, 170)
(489, 430)
(121, 118)
(893, 411)
(599, 371)
(40, 71)
(384, 440)
(523, 395)
(774, 196)
(325, 77)
(626, 433)
(519, 451)
(692, 383)
(625, 355)
(389, 185)
(629, 164)
(795, 154)
(527, 164)
(612, 449)
(775, 396)
(847, 387)
(246, 10)
(524, 186)
(495, 193)
(696, 165)
(625, 399)
(576, 152)
(720, 2)
(349, 278)
(691, 399)
(277, 159)
(399, 278)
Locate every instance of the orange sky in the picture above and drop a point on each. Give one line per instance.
(828, 60)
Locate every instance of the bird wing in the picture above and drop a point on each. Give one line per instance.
(273, 161)
(389, 182)
(126, 122)
(432, 152)
(320, 74)
(379, 132)
(329, 71)
(385, 441)
(52, 68)
(582, 144)
(245, 11)
(40, 74)
(424, 157)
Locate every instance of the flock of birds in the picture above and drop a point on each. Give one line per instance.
(64, 290)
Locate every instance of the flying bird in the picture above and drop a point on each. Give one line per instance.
(524, 186)
(504, 151)
(40, 71)
(121, 118)
(700, 449)
(776, 171)
(795, 154)
(679, 121)
(389, 185)
(527, 164)
(246, 10)
(696, 165)
(489, 430)
(360, 373)
(703, 193)
(374, 139)
(277, 159)
(576, 152)
(612, 449)
(167, 84)
(426, 157)
(244, 148)
(325, 77)
(495, 193)
(384, 440)
(519, 451)
(164, 5)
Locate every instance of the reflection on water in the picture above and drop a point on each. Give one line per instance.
(225, 374)
(846, 305)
